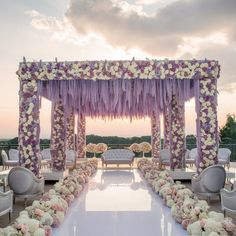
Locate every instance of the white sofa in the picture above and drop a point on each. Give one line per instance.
(117, 156)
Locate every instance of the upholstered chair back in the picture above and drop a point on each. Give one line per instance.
(20, 180)
(214, 178)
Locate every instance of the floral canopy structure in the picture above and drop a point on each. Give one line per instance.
(116, 89)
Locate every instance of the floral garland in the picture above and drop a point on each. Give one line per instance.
(167, 130)
(104, 70)
(186, 208)
(81, 136)
(208, 131)
(29, 126)
(177, 140)
(58, 136)
(156, 135)
(70, 126)
(39, 218)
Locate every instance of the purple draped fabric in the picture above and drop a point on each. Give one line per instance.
(117, 98)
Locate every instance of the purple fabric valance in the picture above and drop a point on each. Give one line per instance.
(116, 98)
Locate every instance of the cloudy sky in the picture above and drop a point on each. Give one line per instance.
(115, 29)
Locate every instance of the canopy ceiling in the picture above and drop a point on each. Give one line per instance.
(118, 88)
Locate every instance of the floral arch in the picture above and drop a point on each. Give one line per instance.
(118, 89)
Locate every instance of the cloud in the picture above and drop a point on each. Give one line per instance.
(180, 29)
(60, 29)
(160, 34)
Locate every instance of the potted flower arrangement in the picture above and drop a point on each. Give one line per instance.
(145, 147)
(91, 147)
(135, 147)
(101, 148)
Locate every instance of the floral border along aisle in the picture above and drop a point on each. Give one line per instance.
(186, 208)
(39, 218)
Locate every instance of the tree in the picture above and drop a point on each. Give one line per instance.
(228, 131)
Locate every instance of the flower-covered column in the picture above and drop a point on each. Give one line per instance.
(156, 135)
(81, 136)
(207, 124)
(177, 134)
(70, 131)
(166, 119)
(58, 137)
(29, 126)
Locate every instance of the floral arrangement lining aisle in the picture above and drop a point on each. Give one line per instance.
(48, 212)
(186, 208)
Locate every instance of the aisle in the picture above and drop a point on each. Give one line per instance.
(118, 203)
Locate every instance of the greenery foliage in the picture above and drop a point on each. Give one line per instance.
(228, 131)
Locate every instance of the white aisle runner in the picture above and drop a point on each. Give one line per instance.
(118, 203)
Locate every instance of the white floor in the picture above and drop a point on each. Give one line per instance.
(118, 203)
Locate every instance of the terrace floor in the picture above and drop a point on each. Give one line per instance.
(118, 202)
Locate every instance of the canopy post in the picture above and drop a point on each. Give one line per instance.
(58, 137)
(156, 135)
(29, 126)
(70, 131)
(81, 136)
(166, 120)
(177, 134)
(207, 124)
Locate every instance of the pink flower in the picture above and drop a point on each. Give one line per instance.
(197, 210)
(56, 207)
(38, 212)
(48, 230)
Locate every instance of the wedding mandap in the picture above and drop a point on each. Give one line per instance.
(115, 89)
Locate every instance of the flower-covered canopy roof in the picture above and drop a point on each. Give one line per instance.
(118, 88)
(105, 70)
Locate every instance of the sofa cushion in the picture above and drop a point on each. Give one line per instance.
(118, 155)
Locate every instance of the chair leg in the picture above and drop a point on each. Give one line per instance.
(224, 211)
(25, 202)
(9, 215)
(208, 199)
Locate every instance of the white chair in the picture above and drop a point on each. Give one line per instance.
(192, 156)
(224, 157)
(6, 203)
(209, 182)
(46, 157)
(228, 200)
(13, 155)
(46, 154)
(24, 183)
(70, 158)
(164, 157)
(6, 162)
